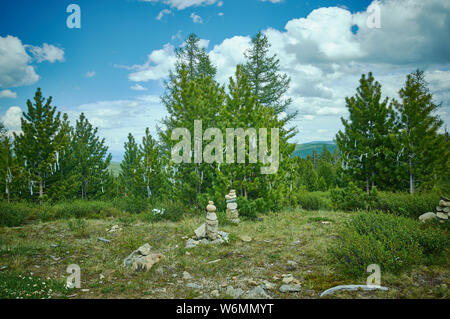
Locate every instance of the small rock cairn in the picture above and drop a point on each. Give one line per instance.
(442, 212)
(232, 212)
(212, 225)
(208, 232)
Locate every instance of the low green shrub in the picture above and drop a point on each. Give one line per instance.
(80, 209)
(353, 198)
(172, 211)
(406, 204)
(393, 242)
(314, 200)
(14, 214)
(133, 205)
(248, 209)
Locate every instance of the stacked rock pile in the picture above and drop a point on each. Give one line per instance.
(208, 232)
(212, 225)
(232, 212)
(442, 212)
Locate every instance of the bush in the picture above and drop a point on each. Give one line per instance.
(131, 204)
(314, 200)
(393, 242)
(351, 198)
(172, 211)
(248, 209)
(79, 209)
(407, 204)
(14, 214)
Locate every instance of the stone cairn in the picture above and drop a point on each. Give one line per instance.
(208, 232)
(442, 212)
(212, 225)
(232, 212)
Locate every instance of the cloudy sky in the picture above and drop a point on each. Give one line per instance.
(113, 67)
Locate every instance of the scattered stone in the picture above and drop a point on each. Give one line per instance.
(325, 222)
(114, 229)
(246, 238)
(103, 240)
(145, 249)
(215, 293)
(235, 293)
(54, 245)
(102, 277)
(142, 259)
(191, 243)
(352, 288)
(287, 279)
(252, 282)
(427, 217)
(258, 293)
(194, 285)
(186, 275)
(85, 290)
(291, 288)
(213, 261)
(441, 215)
(297, 242)
(55, 258)
(268, 285)
(201, 231)
(3, 267)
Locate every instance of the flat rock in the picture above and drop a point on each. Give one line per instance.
(441, 215)
(291, 288)
(145, 263)
(201, 231)
(258, 293)
(235, 293)
(246, 238)
(190, 243)
(103, 240)
(145, 249)
(186, 275)
(427, 217)
(193, 285)
(352, 288)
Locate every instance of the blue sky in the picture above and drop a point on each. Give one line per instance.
(114, 66)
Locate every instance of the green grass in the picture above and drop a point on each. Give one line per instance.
(47, 248)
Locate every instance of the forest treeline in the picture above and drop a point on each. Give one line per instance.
(386, 144)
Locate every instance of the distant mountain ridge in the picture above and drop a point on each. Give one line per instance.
(305, 149)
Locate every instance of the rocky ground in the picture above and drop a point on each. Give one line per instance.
(281, 256)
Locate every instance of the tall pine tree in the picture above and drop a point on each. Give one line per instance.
(40, 142)
(423, 152)
(366, 143)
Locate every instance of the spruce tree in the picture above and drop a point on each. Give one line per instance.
(40, 142)
(90, 158)
(423, 152)
(366, 142)
(151, 165)
(130, 177)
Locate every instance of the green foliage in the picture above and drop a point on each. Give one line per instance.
(133, 205)
(407, 204)
(81, 209)
(418, 139)
(14, 214)
(349, 198)
(366, 142)
(313, 200)
(393, 242)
